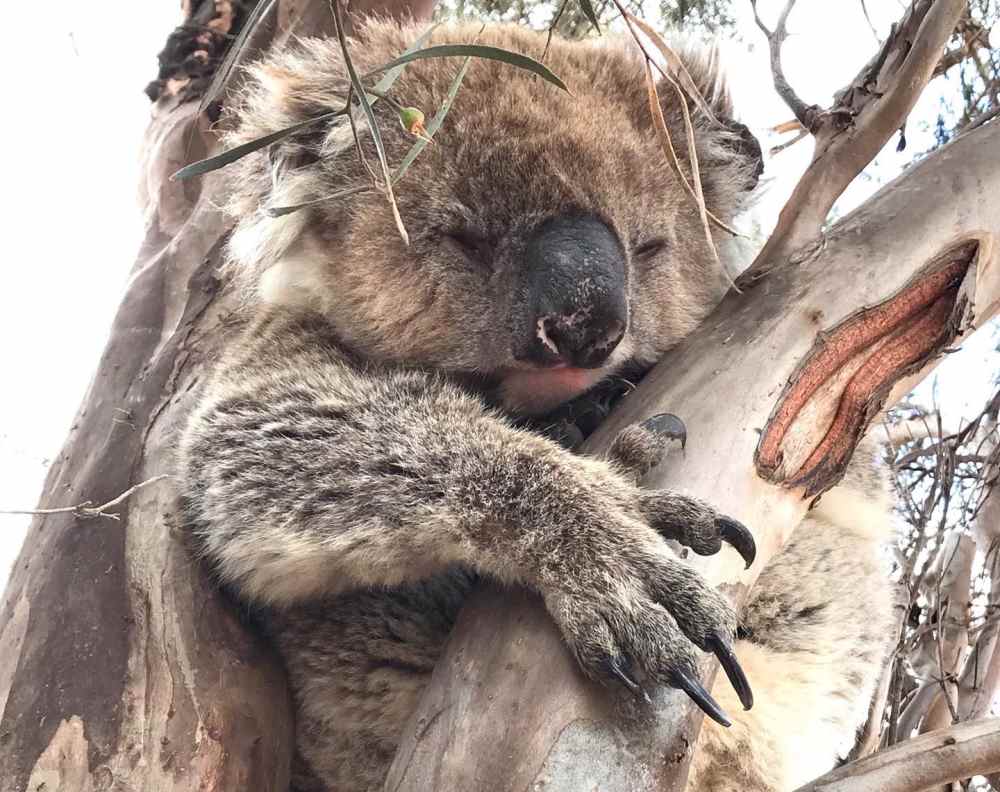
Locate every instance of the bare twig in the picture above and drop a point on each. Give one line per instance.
(868, 19)
(87, 509)
(808, 115)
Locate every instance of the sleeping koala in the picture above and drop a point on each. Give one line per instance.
(359, 457)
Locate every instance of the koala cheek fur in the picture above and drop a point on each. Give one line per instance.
(357, 460)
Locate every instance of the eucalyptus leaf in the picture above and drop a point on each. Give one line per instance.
(238, 152)
(483, 51)
(588, 11)
(434, 124)
(281, 211)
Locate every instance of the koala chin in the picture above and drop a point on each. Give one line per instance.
(358, 457)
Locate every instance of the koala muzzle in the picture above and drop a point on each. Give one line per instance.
(574, 311)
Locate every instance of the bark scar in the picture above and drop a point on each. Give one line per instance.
(892, 339)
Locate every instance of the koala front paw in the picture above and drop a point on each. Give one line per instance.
(638, 448)
(640, 614)
(635, 451)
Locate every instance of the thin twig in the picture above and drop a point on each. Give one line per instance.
(808, 115)
(868, 19)
(803, 133)
(87, 509)
(552, 29)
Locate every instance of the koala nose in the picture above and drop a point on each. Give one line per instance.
(578, 340)
(574, 307)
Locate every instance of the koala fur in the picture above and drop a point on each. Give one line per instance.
(358, 458)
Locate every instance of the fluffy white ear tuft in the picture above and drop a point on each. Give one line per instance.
(296, 280)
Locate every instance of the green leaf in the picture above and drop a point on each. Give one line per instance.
(238, 152)
(281, 211)
(435, 123)
(476, 51)
(588, 11)
(383, 85)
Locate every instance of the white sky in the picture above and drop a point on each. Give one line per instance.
(71, 227)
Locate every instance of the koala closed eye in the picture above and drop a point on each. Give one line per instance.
(649, 249)
(471, 244)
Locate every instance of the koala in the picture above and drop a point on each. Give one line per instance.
(369, 445)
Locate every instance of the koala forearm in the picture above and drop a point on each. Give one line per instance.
(306, 476)
(310, 484)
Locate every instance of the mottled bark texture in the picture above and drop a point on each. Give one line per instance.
(121, 666)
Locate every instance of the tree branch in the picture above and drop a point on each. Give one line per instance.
(865, 114)
(808, 115)
(940, 757)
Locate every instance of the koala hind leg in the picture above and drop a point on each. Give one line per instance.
(358, 664)
(819, 627)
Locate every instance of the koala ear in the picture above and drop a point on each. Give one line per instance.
(724, 143)
(747, 148)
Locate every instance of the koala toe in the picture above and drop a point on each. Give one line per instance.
(638, 448)
(648, 628)
(695, 524)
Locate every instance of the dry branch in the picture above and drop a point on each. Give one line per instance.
(87, 509)
(933, 759)
(808, 115)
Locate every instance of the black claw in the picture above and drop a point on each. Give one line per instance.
(617, 667)
(731, 666)
(700, 696)
(668, 425)
(739, 536)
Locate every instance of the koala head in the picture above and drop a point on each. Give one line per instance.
(550, 242)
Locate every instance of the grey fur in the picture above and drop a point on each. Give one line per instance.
(354, 463)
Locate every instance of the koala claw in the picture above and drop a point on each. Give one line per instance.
(739, 537)
(617, 666)
(667, 425)
(727, 659)
(690, 685)
(639, 448)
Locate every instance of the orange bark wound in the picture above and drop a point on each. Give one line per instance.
(914, 324)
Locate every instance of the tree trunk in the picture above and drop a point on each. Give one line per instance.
(121, 666)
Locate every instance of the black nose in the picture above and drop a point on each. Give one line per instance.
(573, 309)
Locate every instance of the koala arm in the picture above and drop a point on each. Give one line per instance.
(306, 476)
